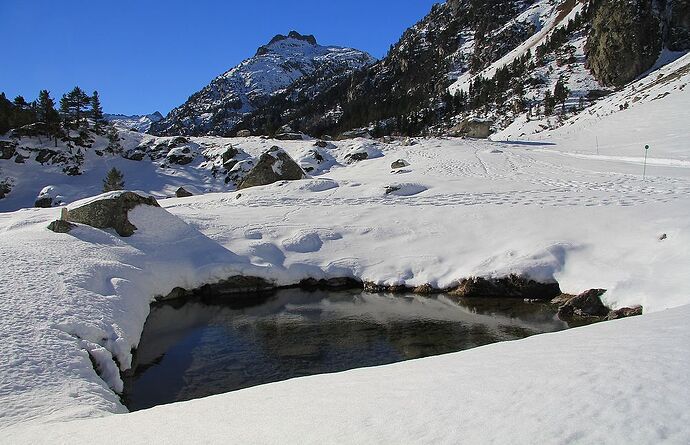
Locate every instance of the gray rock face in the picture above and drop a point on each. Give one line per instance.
(274, 165)
(625, 40)
(587, 304)
(473, 128)
(243, 134)
(111, 212)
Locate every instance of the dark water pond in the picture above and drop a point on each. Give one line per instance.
(200, 349)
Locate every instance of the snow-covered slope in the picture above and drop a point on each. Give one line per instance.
(549, 208)
(218, 107)
(140, 123)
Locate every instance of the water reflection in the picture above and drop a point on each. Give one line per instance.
(198, 349)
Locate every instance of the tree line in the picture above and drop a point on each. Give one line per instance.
(77, 112)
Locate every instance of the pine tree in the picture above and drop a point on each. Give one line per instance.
(46, 113)
(97, 113)
(73, 106)
(561, 92)
(113, 140)
(113, 181)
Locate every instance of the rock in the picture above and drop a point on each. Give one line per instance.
(180, 156)
(586, 304)
(178, 141)
(289, 137)
(400, 163)
(233, 286)
(391, 189)
(331, 283)
(663, 237)
(110, 211)
(359, 156)
(424, 289)
(7, 149)
(182, 193)
(134, 155)
(473, 127)
(44, 155)
(243, 134)
(624, 312)
(5, 188)
(61, 226)
(228, 157)
(321, 144)
(512, 286)
(408, 142)
(20, 159)
(274, 165)
(356, 133)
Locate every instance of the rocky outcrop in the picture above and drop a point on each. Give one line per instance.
(624, 312)
(274, 165)
(7, 149)
(474, 127)
(110, 211)
(512, 286)
(624, 41)
(586, 304)
(183, 193)
(230, 287)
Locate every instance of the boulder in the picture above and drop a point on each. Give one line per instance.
(20, 159)
(180, 156)
(587, 304)
(321, 144)
(228, 157)
(473, 127)
(400, 163)
(7, 149)
(183, 193)
(243, 134)
(274, 165)
(110, 211)
(61, 226)
(624, 312)
(178, 141)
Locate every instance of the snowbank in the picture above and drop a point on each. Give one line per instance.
(618, 382)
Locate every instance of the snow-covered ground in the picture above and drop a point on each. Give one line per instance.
(550, 208)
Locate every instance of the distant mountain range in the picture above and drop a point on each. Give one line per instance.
(140, 123)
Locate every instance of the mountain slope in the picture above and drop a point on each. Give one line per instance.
(218, 107)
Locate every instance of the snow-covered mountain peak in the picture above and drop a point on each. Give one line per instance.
(220, 106)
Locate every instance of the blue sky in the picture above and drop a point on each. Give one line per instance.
(144, 56)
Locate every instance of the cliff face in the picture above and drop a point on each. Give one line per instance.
(627, 36)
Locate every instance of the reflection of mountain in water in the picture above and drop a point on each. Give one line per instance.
(198, 350)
